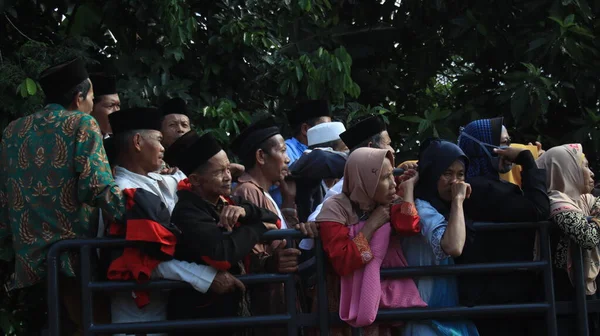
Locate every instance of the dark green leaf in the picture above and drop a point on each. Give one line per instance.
(536, 43)
(570, 19)
(23, 87)
(299, 73)
(412, 119)
(440, 114)
(235, 127)
(573, 50)
(557, 20)
(581, 31)
(284, 87)
(31, 87)
(423, 126)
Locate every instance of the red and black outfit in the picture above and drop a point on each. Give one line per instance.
(146, 222)
(204, 242)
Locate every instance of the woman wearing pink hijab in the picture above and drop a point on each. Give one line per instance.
(576, 212)
(356, 228)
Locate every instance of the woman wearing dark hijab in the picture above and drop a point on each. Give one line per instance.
(440, 192)
(487, 144)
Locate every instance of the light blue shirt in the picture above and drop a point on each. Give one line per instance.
(295, 149)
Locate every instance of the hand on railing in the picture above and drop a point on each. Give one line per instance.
(311, 229)
(285, 260)
(224, 282)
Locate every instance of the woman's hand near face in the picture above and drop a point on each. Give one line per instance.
(460, 191)
(540, 149)
(377, 219)
(509, 153)
(406, 187)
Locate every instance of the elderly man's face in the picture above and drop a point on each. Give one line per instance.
(214, 178)
(173, 127)
(149, 146)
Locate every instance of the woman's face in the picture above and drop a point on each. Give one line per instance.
(504, 165)
(454, 173)
(588, 177)
(386, 189)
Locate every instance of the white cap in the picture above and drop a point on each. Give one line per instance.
(325, 132)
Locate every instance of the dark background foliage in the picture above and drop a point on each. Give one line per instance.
(428, 66)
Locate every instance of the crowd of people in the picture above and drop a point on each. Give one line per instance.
(82, 167)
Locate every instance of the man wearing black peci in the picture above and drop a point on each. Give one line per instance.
(204, 212)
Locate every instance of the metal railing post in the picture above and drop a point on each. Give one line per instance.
(546, 255)
(580, 297)
(87, 303)
(53, 262)
(323, 302)
(290, 300)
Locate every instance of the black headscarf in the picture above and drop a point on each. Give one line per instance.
(435, 157)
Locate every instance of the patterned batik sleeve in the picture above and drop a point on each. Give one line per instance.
(596, 208)
(577, 227)
(95, 185)
(5, 231)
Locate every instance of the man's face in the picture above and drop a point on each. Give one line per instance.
(173, 127)
(105, 105)
(151, 150)
(323, 120)
(276, 160)
(86, 104)
(340, 146)
(385, 142)
(215, 177)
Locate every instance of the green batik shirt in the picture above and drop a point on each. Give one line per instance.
(53, 172)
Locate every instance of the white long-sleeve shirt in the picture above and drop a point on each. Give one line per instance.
(309, 243)
(123, 307)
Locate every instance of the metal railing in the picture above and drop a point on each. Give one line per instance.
(322, 318)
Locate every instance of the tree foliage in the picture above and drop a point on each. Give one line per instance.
(428, 66)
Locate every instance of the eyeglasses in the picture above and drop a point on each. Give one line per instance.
(506, 142)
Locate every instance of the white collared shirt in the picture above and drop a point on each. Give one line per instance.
(308, 243)
(163, 186)
(123, 307)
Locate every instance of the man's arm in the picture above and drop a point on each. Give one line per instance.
(202, 278)
(95, 184)
(199, 276)
(255, 213)
(207, 242)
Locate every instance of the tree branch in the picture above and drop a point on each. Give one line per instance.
(20, 32)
